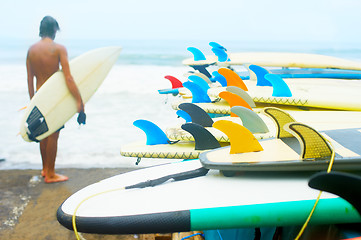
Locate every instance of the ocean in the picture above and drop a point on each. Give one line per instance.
(128, 93)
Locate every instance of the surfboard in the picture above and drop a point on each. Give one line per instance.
(259, 124)
(296, 147)
(158, 145)
(203, 200)
(53, 105)
(277, 59)
(271, 89)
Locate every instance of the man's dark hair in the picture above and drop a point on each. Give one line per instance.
(48, 27)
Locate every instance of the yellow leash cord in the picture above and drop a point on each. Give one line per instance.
(319, 195)
(84, 200)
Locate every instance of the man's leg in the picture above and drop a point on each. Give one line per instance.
(43, 145)
(51, 150)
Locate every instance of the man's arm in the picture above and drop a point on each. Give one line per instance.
(69, 78)
(30, 78)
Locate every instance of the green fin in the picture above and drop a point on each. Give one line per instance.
(280, 118)
(313, 144)
(251, 120)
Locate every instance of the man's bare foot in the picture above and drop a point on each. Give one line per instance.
(42, 173)
(56, 178)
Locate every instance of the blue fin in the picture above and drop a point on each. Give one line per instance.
(251, 120)
(173, 91)
(198, 94)
(184, 115)
(199, 81)
(243, 94)
(203, 138)
(217, 45)
(260, 73)
(197, 114)
(280, 87)
(220, 78)
(154, 134)
(221, 54)
(197, 54)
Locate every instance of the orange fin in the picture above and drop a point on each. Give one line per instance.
(242, 140)
(234, 100)
(233, 79)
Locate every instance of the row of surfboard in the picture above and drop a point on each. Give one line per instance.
(278, 133)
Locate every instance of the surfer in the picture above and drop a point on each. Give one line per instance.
(42, 61)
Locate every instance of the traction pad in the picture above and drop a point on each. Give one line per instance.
(36, 124)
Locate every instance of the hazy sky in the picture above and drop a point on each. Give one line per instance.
(337, 21)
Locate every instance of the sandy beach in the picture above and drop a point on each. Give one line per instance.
(28, 205)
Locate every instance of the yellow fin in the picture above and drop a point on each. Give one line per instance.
(233, 79)
(313, 144)
(234, 100)
(242, 140)
(280, 118)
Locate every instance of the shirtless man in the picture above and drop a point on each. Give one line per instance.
(42, 61)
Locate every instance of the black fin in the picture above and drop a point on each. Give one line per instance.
(345, 185)
(202, 69)
(198, 115)
(203, 138)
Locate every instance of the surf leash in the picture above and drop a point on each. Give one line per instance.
(332, 159)
(149, 183)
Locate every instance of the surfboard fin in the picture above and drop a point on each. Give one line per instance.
(199, 81)
(221, 54)
(204, 140)
(176, 83)
(345, 185)
(241, 139)
(233, 79)
(260, 74)
(280, 87)
(243, 94)
(280, 118)
(217, 45)
(199, 74)
(154, 134)
(197, 114)
(197, 54)
(198, 94)
(184, 115)
(219, 78)
(252, 75)
(251, 120)
(313, 144)
(233, 100)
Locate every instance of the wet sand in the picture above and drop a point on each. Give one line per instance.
(28, 205)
